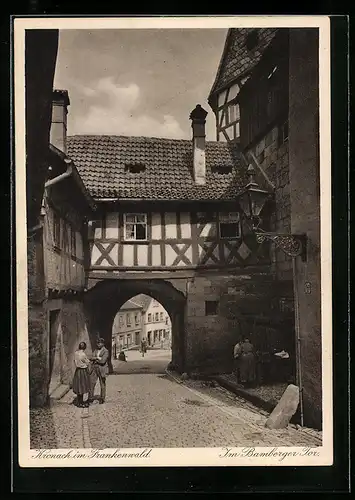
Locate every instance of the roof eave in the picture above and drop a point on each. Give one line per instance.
(225, 48)
(158, 200)
(89, 199)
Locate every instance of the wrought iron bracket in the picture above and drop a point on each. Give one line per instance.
(293, 245)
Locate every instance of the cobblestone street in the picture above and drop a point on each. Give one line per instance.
(146, 407)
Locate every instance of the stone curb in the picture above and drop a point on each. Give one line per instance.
(252, 398)
(59, 392)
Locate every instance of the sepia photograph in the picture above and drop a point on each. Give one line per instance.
(173, 241)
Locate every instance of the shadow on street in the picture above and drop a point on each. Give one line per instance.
(154, 362)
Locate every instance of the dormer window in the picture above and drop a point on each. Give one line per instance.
(222, 169)
(135, 227)
(134, 168)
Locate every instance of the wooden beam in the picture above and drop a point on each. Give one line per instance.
(142, 276)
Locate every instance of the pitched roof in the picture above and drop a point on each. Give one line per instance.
(54, 152)
(142, 300)
(168, 175)
(236, 60)
(129, 305)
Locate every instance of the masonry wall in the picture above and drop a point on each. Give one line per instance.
(37, 325)
(67, 329)
(272, 153)
(305, 204)
(248, 304)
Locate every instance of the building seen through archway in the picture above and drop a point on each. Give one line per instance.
(141, 318)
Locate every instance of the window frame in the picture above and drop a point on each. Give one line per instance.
(72, 241)
(232, 220)
(215, 310)
(230, 106)
(56, 229)
(128, 319)
(134, 224)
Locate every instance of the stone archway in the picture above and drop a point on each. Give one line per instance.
(103, 301)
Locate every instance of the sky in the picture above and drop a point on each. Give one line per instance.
(138, 82)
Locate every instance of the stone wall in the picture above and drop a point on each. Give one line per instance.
(248, 304)
(55, 328)
(37, 324)
(67, 329)
(272, 153)
(305, 204)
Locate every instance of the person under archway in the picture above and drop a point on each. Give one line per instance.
(143, 347)
(99, 370)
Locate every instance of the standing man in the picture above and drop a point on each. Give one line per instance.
(99, 370)
(143, 347)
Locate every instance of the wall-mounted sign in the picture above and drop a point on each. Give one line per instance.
(307, 287)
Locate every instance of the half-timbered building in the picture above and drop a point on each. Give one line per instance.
(275, 72)
(242, 51)
(168, 225)
(61, 264)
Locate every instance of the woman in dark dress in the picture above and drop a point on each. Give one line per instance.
(247, 363)
(81, 380)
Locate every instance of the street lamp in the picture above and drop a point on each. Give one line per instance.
(251, 201)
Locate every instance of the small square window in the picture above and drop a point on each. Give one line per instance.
(229, 225)
(135, 226)
(211, 307)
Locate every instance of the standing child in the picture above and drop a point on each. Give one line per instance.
(81, 380)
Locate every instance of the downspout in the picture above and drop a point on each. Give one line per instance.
(298, 338)
(61, 177)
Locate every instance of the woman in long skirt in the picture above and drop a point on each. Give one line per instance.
(81, 380)
(247, 363)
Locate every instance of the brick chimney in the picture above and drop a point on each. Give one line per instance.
(198, 117)
(59, 119)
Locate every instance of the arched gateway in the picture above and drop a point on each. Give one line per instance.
(103, 301)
